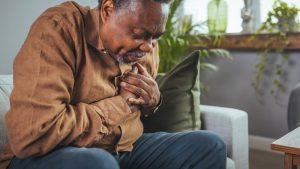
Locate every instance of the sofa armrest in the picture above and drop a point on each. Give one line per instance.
(232, 125)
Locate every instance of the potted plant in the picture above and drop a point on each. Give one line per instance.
(176, 43)
(282, 18)
(270, 69)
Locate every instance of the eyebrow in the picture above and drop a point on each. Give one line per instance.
(155, 35)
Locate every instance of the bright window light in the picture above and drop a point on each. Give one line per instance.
(198, 8)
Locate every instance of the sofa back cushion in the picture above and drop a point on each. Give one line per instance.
(181, 98)
(6, 85)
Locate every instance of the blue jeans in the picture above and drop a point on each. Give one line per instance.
(182, 150)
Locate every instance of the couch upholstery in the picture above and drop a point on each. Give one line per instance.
(293, 112)
(5, 90)
(231, 124)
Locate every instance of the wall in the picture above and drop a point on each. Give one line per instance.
(231, 87)
(16, 17)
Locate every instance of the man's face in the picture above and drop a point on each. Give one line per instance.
(130, 32)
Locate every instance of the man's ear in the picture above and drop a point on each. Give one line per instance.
(107, 8)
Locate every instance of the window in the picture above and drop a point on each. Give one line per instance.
(198, 8)
(266, 5)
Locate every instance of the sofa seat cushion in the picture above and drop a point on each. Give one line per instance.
(230, 164)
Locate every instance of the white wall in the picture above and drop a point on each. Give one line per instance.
(231, 87)
(16, 16)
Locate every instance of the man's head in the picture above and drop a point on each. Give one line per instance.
(130, 28)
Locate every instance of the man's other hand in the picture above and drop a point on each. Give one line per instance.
(126, 95)
(143, 86)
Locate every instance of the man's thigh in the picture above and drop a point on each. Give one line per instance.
(69, 158)
(182, 150)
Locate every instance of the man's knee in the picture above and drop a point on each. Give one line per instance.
(210, 149)
(92, 158)
(215, 140)
(210, 140)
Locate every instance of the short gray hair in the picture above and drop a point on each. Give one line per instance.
(121, 3)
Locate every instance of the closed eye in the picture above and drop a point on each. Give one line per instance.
(141, 34)
(157, 36)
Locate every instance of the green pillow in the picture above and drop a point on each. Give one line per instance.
(181, 98)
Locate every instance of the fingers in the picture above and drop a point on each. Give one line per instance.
(147, 80)
(142, 85)
(139, 92)
(144, 99)
(138, 101)
(138, 81)
(142, 70)
(135, 69)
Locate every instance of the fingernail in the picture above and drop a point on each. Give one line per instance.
(130, 99)
(123, 84)
(135, 69)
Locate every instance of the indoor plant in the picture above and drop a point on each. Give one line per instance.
(176, 42)
(270, 69)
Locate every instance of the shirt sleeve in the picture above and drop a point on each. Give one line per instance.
(42, 116)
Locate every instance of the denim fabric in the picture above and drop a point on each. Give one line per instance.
(182, 150)
(69, 158)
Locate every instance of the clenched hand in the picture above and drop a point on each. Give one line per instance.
(143, 86)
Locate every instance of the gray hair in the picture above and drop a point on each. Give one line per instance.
(124, 3)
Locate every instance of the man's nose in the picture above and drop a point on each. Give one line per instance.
(148, 45)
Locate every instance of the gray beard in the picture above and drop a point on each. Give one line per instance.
(120, 59)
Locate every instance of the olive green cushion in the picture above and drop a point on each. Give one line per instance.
(181, 98)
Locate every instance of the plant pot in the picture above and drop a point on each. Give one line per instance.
(287, 24)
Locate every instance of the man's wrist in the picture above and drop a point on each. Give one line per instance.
(152, 111)
(158, 105)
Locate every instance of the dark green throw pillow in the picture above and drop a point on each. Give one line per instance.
(181, 98)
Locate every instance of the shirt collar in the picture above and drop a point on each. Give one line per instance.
(92, 32)
(92, 35)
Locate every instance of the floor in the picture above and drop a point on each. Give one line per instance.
(265, 160)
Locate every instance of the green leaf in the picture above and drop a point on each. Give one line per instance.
(208, 66)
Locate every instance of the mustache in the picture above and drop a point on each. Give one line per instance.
(136, 54)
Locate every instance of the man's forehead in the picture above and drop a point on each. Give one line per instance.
(136, 5)
(155, 30)
(150, 16)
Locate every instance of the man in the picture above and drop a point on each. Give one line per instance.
(82, 80)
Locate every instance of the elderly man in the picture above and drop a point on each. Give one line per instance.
(82, 79)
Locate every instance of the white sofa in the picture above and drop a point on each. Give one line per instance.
(231, 124)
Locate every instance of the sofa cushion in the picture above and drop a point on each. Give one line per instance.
(181, 98)
(6, 85)
(230, 164)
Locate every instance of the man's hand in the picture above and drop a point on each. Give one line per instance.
(143, 86)
(126, 95)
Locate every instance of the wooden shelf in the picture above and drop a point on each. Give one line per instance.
(251, 42)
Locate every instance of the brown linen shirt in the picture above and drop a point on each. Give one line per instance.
(65, 91)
